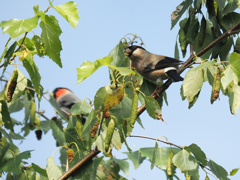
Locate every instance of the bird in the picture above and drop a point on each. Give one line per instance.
(66, 99)
(152, 66)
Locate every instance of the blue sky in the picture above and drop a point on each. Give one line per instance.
(101, 25)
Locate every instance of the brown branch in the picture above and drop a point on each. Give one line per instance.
(191, 49)
(76, 167)
(234, 32)
(16, 49)
(188, 62)
(41, 113)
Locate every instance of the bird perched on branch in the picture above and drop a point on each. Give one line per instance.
(152, 66)
(66, 99)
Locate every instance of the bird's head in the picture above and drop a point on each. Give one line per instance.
(130, 50)
(60, 91)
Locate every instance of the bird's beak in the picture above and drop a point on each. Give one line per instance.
(127, 51)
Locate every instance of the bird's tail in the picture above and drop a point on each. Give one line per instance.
(174, 75)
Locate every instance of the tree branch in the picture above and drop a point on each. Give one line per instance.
(166, 142)
(68, 173)
(16, 49)
(165, 86)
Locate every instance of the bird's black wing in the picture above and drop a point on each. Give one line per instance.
(167, 62)
(163, 63)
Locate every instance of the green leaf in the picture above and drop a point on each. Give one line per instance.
(88, 68)
(234, 99)
(153, 107)
(5, 115)
(8, 55)
(39, 170)
(180, 9)
(53, 171)
(81, 107)
(136, 158)
(231, 6)
(116, 140)
(194, 100)
(27, 104)
(4, 53)
(208, 38)
(39, 44)
(119, 59)
(235, 62)
(210, 74)
(50, 34)
(16, 106)
(228, 76)
(193, 29)
(100, 141)
(56, 107)
(124, 165)
(219, 171)
(57, 131)
(176, 51)
(45, 126)
(192, 83)
(32, 70)
(110, 167)
(71, 135)
(14, 165)
(161, 154)
(221, 3)
(204, 65)
(15, 27)
(184, 161)
(68, 11)
(230, 19)
(15, 136)
(96, 163)
(100, 97)
(234, 171)
(226, 49)
(197, 4)
(154, 155)
(3, 151)
(84, 172)
(198, 153)
(236, 47)
(90, 122)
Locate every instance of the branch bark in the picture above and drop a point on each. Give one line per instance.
(68, 173)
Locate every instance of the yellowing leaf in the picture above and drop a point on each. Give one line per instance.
(114, 98)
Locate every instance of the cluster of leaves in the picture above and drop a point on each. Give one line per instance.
(198, 34)
(115, 106)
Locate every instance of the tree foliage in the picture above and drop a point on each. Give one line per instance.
(111, 116)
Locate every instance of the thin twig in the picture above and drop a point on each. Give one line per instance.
(234, 32)
(166, 142)
(16, 49)
(100, 126)
(41, 113)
